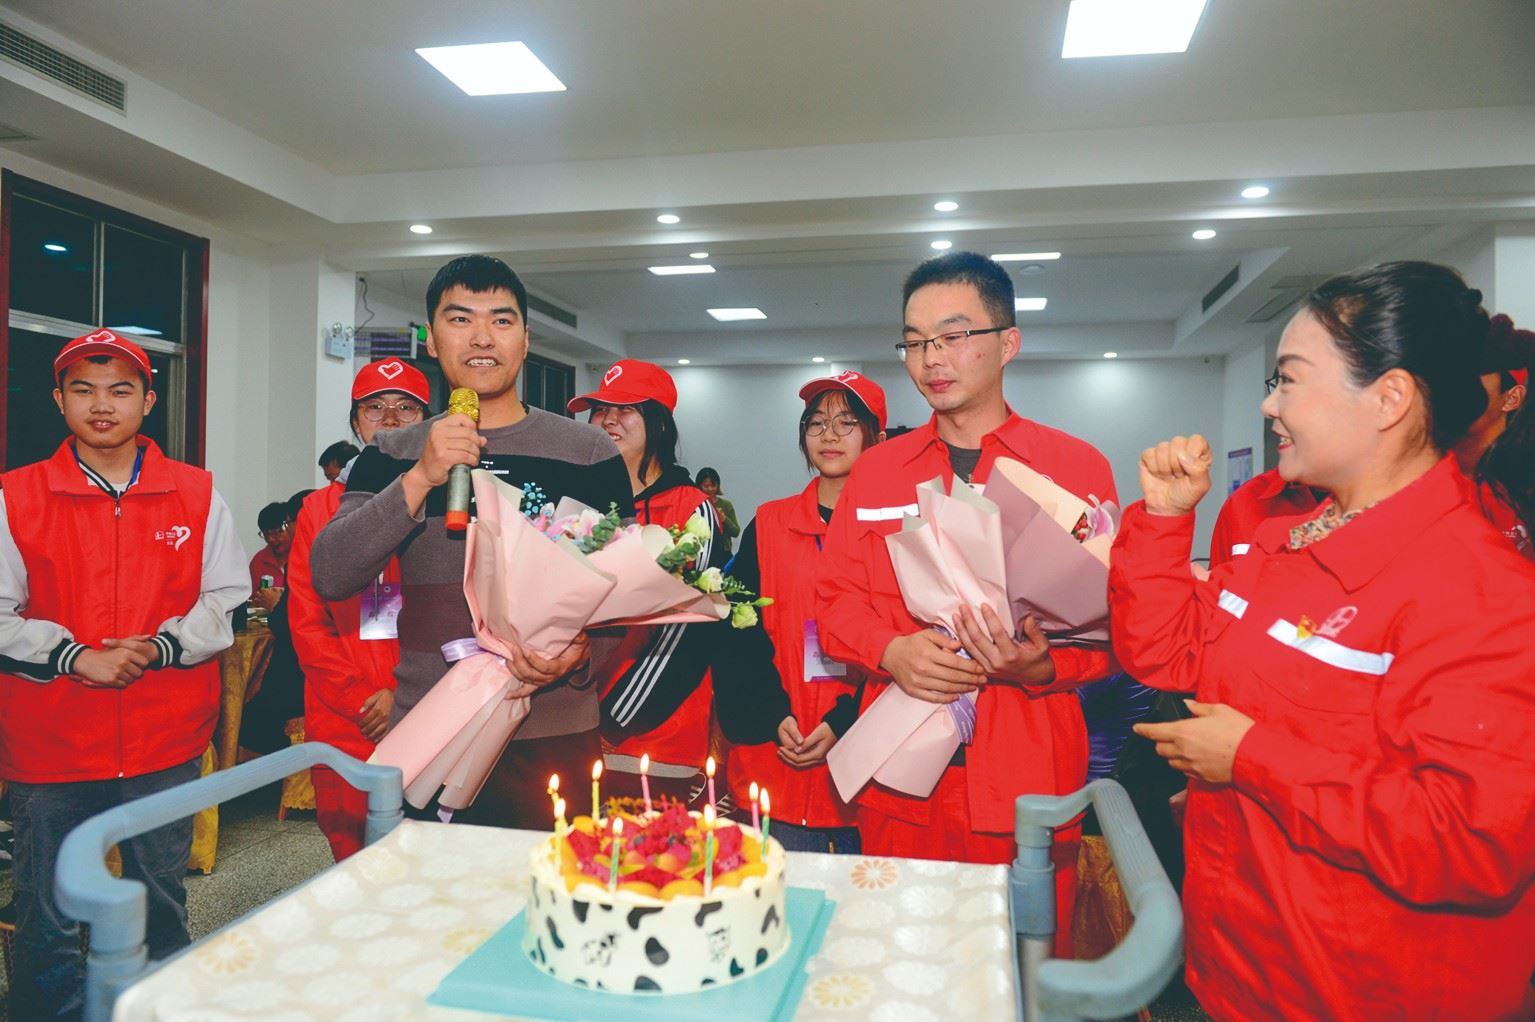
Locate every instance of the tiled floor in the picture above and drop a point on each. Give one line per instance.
(260, 857)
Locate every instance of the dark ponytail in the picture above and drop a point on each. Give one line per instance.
(1418, 317)
(1509, 464)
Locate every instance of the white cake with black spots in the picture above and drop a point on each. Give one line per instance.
(646, 936)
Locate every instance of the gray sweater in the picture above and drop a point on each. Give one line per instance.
(562, 457)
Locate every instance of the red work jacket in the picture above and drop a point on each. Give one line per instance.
(683, 740)
(1505, 519)
(1026, 741)
(1262, 497)
(341, 669)
(107, 569)
(790, 535)
(1372, 858)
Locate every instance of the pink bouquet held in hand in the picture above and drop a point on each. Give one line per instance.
(1027, 547)
(536, 582)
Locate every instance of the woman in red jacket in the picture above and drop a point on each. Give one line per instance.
(656, 692)
(808, 696)
(348, 648)
(1361, 814)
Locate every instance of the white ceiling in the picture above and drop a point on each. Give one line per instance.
(338, 83)
(803, 143)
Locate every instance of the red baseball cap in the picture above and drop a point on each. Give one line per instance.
(391, 374)
(871, 394)
(628, 382)
(103, 342)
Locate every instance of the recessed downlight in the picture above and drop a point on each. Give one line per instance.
(492, 69)
(698, 255)
(668, 218)
(737, 315)
(946, 206)
(421, 228)
(1255, 192)
(53, 246)
(1123, 28)
(1111, 354)
(1203, 234)
(817, 359)
(684, 361)
(941, 245)
(1030, 304)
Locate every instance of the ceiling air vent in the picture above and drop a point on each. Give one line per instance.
(1215, 294)
(1287, 291)
(553, 311)
(37, 56)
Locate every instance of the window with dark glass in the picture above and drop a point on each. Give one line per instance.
(548, 384)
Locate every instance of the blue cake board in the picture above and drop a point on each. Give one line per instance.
(499, 979)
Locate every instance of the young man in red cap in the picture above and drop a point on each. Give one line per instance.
(959, 334)
(348, 648)
(119, 570)
(395, 505)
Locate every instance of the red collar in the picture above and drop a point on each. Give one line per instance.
(64, 475)
(1359, 551)
(1015, 436)
(806, 516)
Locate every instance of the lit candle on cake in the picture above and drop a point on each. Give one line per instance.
(596, 792)
(756, 794)
(554, 788)
(559, 822)
(645, 779)
(708, 848)
(618, 852)
(767, 818)
(709, 773)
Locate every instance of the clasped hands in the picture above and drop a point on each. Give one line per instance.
(927, 665)
(117, 664)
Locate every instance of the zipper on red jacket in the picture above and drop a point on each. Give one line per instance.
(117, 581)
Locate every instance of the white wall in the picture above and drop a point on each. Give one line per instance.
(742, 420)
(1242, 424)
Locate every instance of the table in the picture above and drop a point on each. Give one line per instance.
(371, 937)
(240, 666)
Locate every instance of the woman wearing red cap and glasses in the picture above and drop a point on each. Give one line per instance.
(348, 648)
(656, 693)
(806, 696)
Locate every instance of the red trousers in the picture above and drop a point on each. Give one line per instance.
(340, 810)
(950, 837)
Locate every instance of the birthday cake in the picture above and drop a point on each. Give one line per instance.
(679, 912)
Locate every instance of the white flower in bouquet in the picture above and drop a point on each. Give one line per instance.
(711, 581)
(697, 527)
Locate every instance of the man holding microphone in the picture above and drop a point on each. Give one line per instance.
(397, 503)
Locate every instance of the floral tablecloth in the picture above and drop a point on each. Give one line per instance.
(369, 939)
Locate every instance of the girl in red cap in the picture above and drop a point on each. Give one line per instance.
(807, 695)
(1359, 832)
(657, 692)
(348, 648)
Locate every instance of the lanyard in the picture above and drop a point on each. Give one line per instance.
(101, 480)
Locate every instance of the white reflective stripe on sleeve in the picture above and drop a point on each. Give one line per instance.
(885, 514)
(1330, 652)
(1232, 604)
(1238, 549)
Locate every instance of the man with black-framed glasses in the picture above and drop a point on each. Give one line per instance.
(958, 335)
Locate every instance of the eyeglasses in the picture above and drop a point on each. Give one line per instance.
(953, 339)
(405, 411)
(275, 534)
(842, 425)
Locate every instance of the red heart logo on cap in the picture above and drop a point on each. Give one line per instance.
(101, 337)
(612, 374)
(389, 370)
(847, 377)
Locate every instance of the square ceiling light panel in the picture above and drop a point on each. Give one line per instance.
(1123, 28)
(492, 69)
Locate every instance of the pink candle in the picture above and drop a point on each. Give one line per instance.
(756, 812)
(708, 850)
(645, 779)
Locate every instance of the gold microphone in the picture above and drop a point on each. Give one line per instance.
(464, 401)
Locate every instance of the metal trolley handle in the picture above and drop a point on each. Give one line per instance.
(115, 909)
(1130, 976)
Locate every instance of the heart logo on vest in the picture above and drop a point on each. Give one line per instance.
(175, 536)
(389, 370)
(612, 374)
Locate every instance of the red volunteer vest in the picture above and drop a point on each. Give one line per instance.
(106, 569)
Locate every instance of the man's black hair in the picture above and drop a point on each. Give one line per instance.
(479, 274)
(272, 516)
(987, 276)
(338, 453)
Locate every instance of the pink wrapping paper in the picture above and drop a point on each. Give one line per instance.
(523, 588)
(1011, 550)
